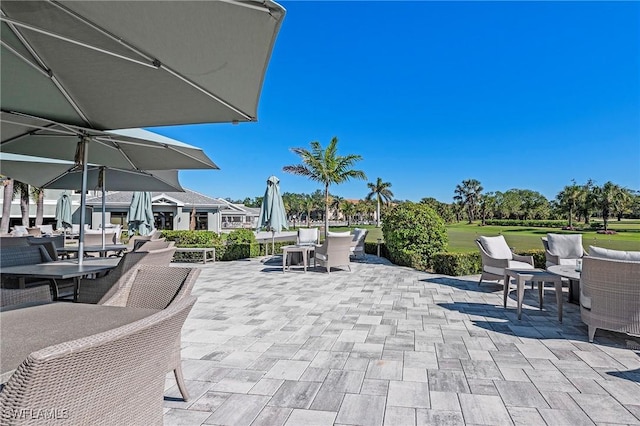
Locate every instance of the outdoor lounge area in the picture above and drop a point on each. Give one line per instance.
(390, 345)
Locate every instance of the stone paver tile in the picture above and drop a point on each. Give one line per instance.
(266, 387)
(481, 370)
(444, 401)
(555, 417)
(414, 374)
(399, 416)
(369, 319)
(535, 349)
(239, 359)
(383, 369)
(448, 381)
(438, 418)
(327, 400)
(295, 394)
(408, 394)
(599, 360)
(343, 381)
(603, 408)
(367, 350)
(625, 392)
(374, 387)
(520, 394)
(484, 410)
(634, 409)
(314, 374)
(210, 401)
(420, 360)
(361, 410)
(329, 359)
(238, 381)
(514, 374)
(526, 416)
(357, 336)
(482, 386)
(288, 370)
(238, 410)
(272, 416)
(311, 418)
(179, 417)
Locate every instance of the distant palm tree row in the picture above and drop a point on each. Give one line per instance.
(12, 189)
(324, 165)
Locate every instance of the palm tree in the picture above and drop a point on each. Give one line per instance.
(348, 209)
(606, 198)
(327, 167)
(23, 189)
(381, 191)
(336, 204)
(6, 205)
(467, 195)
(568, 200)
(37, 194)
(308, 205)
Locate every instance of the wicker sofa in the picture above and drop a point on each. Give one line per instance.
(610, 291)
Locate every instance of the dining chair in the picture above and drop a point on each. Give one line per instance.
(109, 378)
(497, 255)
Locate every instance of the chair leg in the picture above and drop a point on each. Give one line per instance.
(592, 333)
(181, 384)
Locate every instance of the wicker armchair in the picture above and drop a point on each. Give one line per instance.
(335, 251)
(114, 377)
(153, 244)
(562, 249)
(19, 296)
(610, 295)
(92, 291)
(157, 287)
(497, 256)
(357, 244)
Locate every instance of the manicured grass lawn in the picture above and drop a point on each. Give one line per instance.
(462, 236)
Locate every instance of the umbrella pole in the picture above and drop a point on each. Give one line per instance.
(103, 206)
(273, 242)
(83, 197)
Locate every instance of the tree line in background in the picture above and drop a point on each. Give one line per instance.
(12, 189)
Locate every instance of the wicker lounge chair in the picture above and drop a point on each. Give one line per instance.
(112, 378)
(357, 244)
(561, 249)
(157, 287)
(335, 251)
(497, 256)
(19, 296)
(610, 291)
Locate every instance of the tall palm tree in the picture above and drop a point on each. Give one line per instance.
(467, 195)
(308, 204)
(381, 191)
(327, 167)
(6, 205)
(336, 205)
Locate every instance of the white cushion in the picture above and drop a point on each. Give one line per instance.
(565, 246)
(358, 234)
(496, 247)
(307, 236)
(512, 264)
(321, 256)
(338, 234)
(604, 253)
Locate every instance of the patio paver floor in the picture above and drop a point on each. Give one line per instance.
(388, 345)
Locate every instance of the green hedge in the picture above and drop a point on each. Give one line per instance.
(529, 223)
(193, 238)
(457, 264)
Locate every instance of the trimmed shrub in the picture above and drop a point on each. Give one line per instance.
(241, 236)
(187, 238)
(457, 264)
(539, 258)
(413, 233)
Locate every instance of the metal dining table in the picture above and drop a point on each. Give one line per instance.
(62, 270)
(28, 329)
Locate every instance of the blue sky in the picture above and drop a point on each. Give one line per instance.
(523, 95)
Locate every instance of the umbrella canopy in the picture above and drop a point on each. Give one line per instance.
(58, 174)
(273, 216)
(125, 149)
(140, 216)
(118, 64)
(63, 211)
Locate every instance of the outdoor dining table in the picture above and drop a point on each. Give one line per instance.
(62, 270)
(28, 329)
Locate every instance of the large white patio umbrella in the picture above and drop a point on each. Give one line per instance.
(125, 149)
(121, 64)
